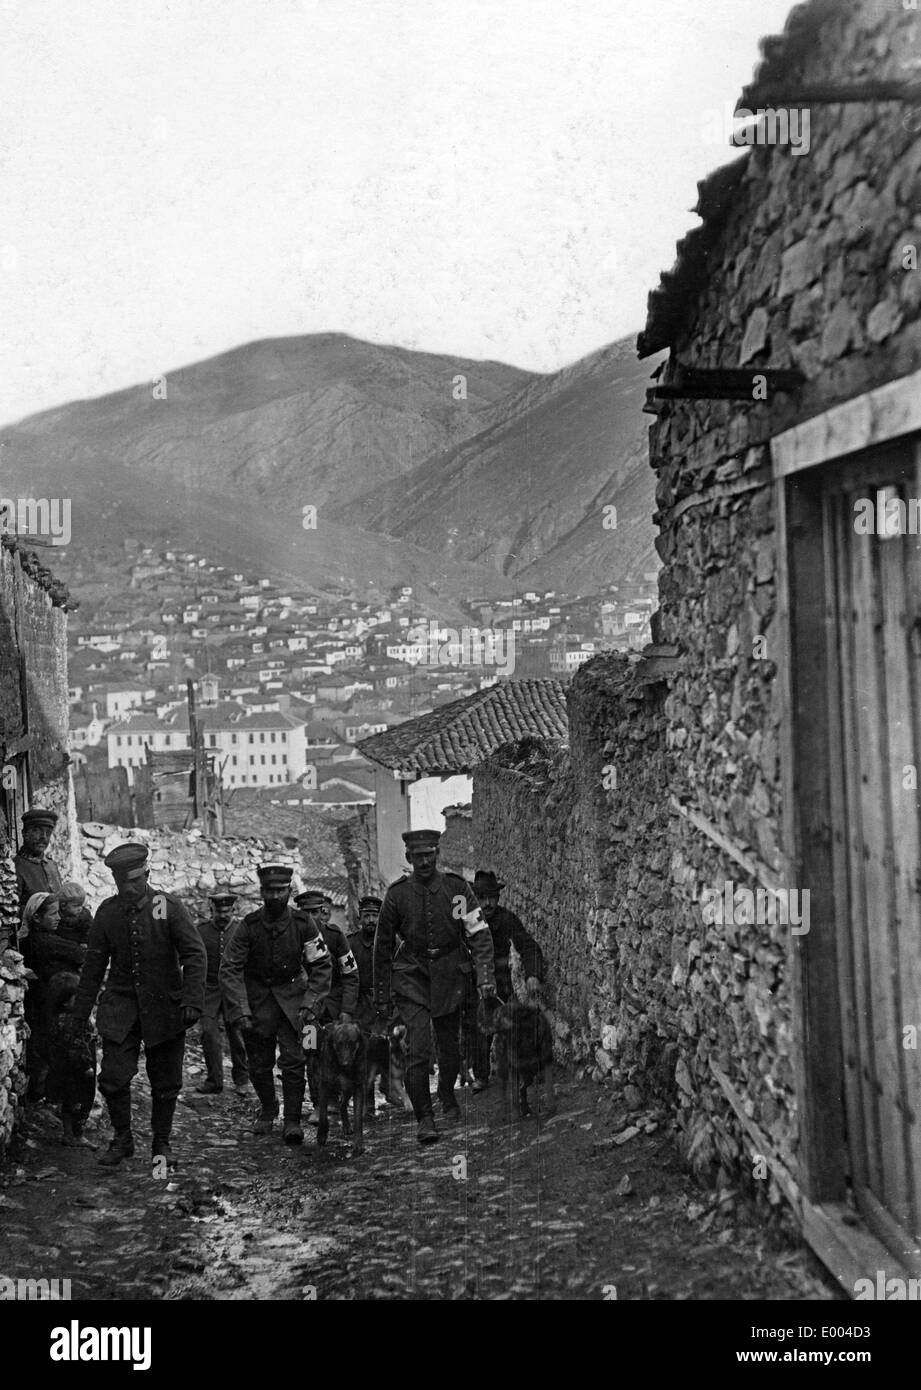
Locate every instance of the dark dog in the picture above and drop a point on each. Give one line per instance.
(524, 1052)
(341, 1064)
(387, 1060)
(71, 1057)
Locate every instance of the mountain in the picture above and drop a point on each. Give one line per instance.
(525, 495)
(291, 420)
(502, 488)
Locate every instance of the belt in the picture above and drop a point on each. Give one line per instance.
(282, 980)
(438, 951)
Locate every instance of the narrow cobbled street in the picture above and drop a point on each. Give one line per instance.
(591, 1201)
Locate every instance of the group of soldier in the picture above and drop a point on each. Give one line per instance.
(424, 956)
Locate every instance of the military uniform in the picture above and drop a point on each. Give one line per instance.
(156, 963)
(362, 949)
(421, 964)
(266, 987)
(343, 990)
(215, 936)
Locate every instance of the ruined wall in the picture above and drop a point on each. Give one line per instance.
(189, 864)
(13, 1080)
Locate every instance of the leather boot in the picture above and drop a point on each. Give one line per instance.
(292, 1090)
(161, 1123)
(264, 1086)
(121, 1146)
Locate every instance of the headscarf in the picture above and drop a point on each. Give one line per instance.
(33, 908)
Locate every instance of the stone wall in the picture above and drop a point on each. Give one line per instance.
(806, 267)
(33, 645)
(189, 864)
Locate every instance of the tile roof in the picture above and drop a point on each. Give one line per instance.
(458, 736)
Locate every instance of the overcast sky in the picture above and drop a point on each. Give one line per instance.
(492, 178)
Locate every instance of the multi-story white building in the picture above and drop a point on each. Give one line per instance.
(260, 749)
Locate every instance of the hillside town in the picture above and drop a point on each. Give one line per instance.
(289, 684)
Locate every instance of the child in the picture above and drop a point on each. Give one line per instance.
(76, 918)
(71, 1058)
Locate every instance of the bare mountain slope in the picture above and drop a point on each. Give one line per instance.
(526, 495)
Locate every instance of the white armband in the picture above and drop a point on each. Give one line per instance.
(314, 950)
(347, 963)
(473, 922)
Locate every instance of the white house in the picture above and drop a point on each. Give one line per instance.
(425, 764)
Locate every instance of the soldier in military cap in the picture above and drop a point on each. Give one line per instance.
(154, 992)
(35, 872)
(215, 932)
(430, 926)
(275, 975)
(342, 1000)
(361, 942)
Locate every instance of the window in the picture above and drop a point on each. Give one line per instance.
(118, 740)
(234, 760)
(252, 759)
(212, 740)
(262, 740)
(233, 739)
(273, 759)
(284, 758)
(284, 738)
(167, 739)
(262, 759)
(272, 738)
(251, 738)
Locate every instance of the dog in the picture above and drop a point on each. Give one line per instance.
(524, 1053)
(342, 1065)
(387, 1060)
(71, 1058)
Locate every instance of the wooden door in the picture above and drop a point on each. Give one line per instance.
(873, 597)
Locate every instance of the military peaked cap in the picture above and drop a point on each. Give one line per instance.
(370, 902)
(421, 839)
(39, 816)
(127, 860)
(275, 875)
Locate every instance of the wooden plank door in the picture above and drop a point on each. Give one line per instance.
(873, 586)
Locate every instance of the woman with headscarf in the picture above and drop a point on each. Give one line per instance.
(45, 952)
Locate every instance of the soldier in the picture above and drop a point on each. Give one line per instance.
(428, 923)
(154, 992)
(505, 929)
(362, 945)
(342, 1000)
(35, 872)
(215, 932)
(275, 975)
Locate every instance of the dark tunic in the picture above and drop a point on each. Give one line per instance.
(426, 935)
(157, 968)
(266, 964)
(507, 930)
(363, 951)
(215, 940)
(343, 992)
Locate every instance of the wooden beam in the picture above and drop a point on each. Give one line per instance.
(870, 418)
(829, 93)
(753, 867)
